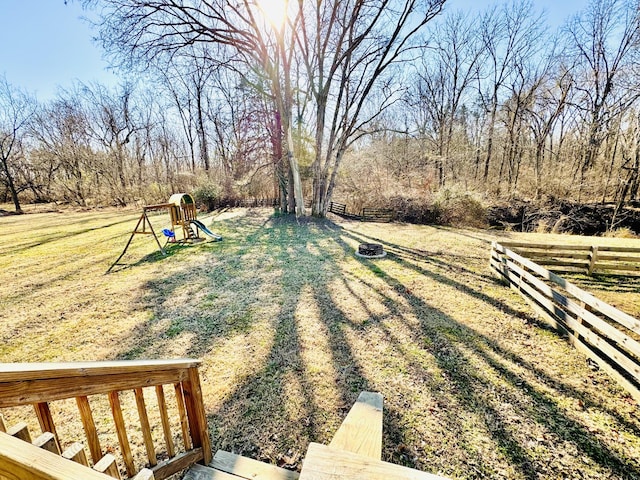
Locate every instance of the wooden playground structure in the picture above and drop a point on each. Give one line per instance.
(183, 214)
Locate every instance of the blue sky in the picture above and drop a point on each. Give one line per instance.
(45, 43)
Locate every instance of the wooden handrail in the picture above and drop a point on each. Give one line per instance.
(39, 371)
(19, 459)
(38, 384)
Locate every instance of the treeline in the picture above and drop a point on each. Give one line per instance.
(95, 145)
(369, 102)
(503, 107)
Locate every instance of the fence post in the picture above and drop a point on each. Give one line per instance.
(579, 319)
(593, 258)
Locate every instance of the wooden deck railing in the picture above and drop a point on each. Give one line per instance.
(608, 336)
(43, 384)
(580, 258)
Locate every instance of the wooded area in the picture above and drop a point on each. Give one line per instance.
(350, 100)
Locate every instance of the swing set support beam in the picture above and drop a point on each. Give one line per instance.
(141, 229)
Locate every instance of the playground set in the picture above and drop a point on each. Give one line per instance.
(183, 214)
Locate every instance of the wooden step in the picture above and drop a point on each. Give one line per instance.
(244, 467)
(144, 474)
(326, 463)
(200, 472)
(21, 431)
(361, 430)
(76, 453)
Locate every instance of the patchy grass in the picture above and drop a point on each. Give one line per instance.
(291, 326)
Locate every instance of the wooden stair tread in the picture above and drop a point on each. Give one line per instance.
(322, 463)
(200, 472)
(361, 430)
(108, 466)
(48, 442)
(21, 431)
(249, 468)
(76, 453)
(144, 474)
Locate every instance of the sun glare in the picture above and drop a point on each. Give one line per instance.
(274, 11)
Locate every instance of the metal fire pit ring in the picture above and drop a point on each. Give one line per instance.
(370, 250)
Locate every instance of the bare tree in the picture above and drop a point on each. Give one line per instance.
(509, 34)
(629, 172)
(61, 132)
(530, 71)
(16, 110)
(113, 123)
(352, 53)
(143, 31)
(186, 78)
(449, 67)
(544, 112)
(604, 39)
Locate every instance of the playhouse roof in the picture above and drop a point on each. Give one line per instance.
(181, 199)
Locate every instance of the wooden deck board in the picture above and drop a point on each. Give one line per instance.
(200, 472)
(244, 467)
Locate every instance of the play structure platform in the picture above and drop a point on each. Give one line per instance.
(183, 214)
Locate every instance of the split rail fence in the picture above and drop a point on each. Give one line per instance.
(608, 336)
(581, 258)
(367, 214)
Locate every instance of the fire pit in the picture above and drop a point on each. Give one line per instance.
(370, 250)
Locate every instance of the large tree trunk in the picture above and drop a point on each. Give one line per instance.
(11, 185)
(325, 183)
(538, 166)
(281, 170)
(295, 174)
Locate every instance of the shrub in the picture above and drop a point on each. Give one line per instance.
(415, 210)
(460, 208)
(623, 232)
(207, 195)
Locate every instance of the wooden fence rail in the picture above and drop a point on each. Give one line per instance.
(608, 336)
(368, 214)
(338, 208)
(377, 214)
(40, 384)
(581, 258)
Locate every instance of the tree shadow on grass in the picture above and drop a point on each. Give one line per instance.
(61, 236)
(607, 282)
(539, 406)
(529, 318)
(288, 397)
(256, 419)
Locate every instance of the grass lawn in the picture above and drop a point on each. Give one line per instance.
(291, 326)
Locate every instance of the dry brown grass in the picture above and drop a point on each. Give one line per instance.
(290, 326)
